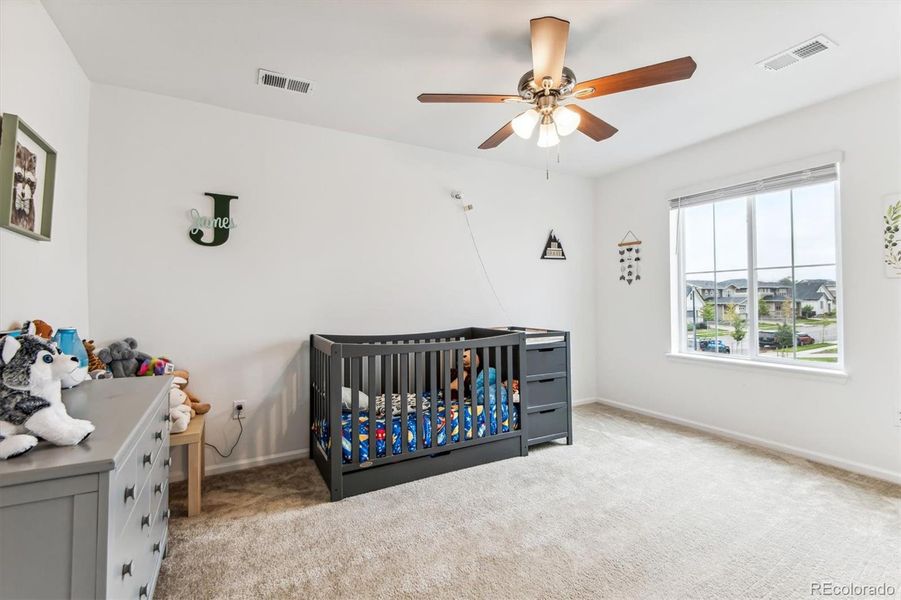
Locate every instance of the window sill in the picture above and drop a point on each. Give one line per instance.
(740, 363)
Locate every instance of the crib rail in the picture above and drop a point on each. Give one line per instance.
(422, 365)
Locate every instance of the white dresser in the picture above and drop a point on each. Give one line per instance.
(91, 521)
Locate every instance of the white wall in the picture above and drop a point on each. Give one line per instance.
(42, 83)
(849, 423)
(337, 233)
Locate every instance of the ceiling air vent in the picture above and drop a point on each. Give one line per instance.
(284, 82)
(798, 53)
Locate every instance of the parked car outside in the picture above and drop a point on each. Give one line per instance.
(766, 339)
(805, 340)
(715, 346)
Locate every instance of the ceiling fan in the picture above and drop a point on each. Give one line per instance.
(549, 84)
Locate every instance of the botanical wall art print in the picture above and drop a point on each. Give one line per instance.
(27, 175)
(891, 235)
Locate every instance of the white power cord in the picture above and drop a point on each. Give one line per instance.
(475, 245)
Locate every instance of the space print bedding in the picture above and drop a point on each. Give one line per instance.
(421, 424)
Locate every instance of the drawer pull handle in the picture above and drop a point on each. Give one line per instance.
(165, 417)
(544, 412)
(166, 514)
(129, 493)
(167, 463)
(158, 435)
(545, 380)
(142, 592)
(126, 569)
(158, 488)
(156, 547)
(145, 521)
(547, 349)
(146, 459)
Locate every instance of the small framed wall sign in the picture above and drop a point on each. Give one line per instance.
(27, 177)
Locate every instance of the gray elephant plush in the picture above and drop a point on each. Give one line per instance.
(122, 358)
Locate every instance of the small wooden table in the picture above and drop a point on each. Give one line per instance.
(193, 437)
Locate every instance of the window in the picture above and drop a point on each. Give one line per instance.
(758, 275)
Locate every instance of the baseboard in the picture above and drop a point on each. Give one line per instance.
(818, 457)
(246, 463)
(582, 401)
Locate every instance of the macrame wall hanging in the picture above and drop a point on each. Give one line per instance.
(629, 258)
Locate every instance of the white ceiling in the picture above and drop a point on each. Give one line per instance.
(370, 59)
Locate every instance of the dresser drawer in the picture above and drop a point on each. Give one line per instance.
(159, 478)
(548, 422)
(151, 441)
(128, 560)
(547, 391)
(125, 488)
(546, 360)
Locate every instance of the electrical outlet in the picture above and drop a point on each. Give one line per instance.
(237, 410)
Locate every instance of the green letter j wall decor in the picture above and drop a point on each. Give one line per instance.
(220, 223)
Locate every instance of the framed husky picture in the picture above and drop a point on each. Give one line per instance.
(27, 175)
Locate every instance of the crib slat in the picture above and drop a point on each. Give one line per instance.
(417, 379)
(446, 357)
(461, 434)
(473, 397)
(373, 425)
(404, 360)
(346, 373)
(433, 394)
(355, 375)
(387, 386)
(510, 375)
(497, 389)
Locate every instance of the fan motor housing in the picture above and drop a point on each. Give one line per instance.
(529, 89)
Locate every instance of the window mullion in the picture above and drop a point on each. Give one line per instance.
(753, 317)
(791, 218)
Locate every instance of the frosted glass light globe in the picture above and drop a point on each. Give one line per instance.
(567, 120)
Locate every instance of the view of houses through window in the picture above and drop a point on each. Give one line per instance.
(775, 298)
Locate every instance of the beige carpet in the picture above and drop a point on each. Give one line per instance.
(636, 509)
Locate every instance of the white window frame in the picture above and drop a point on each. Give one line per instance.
(679, 333)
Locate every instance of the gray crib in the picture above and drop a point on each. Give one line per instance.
(418, 369)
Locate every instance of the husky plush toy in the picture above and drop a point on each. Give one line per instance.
(31, 403)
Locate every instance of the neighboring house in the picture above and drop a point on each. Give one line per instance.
(723, 306)
(694, 304)
(819, 293)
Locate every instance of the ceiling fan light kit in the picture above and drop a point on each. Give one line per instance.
(524, 124)
(550, 84)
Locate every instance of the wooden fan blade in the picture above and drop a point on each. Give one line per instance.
(499, 136)
(549, 35)
(465, 98)
(595, 128)
(665, 72)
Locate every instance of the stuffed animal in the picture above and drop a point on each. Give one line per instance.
(181, 381)
(42, 329)
(94, 362)
(180, 412)
(155, 366)
(121, 357)
(31, 404)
